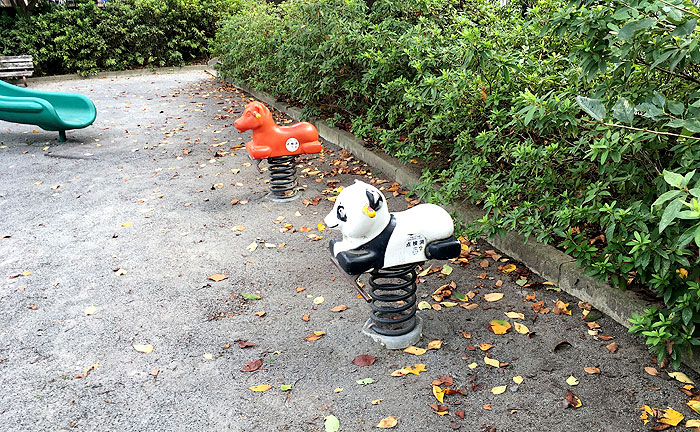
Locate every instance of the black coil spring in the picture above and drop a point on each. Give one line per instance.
(283, 176)
(393, 292)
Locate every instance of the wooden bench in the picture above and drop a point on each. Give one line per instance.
(17, 66)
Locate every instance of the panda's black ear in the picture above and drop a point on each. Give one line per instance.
(374, 199)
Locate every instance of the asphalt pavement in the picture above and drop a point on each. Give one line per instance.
(148, 283)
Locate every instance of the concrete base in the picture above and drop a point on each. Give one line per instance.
(395, 342)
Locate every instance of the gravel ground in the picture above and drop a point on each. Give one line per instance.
(107, 242)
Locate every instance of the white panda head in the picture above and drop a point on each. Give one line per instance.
(360, 212)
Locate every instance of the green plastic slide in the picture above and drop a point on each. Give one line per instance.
(51, 111)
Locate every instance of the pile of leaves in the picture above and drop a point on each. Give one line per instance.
(560, 120)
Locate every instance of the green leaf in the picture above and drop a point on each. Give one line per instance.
(332, 423)
(461, 297)
(593, 107)
(623, 111)
(250, 296)
(365, 381)
(673, 179)
(686, 28)
(628, 30)
(670, 214)
(692, 125)
(676, 108)
(285, 387)
(666, 196)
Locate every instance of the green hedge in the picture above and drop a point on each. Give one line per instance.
(565, 122)
(124, 34)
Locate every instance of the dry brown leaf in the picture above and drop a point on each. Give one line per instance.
(651, 371)
(591, 370)
(339, 308)
(216, 277)
(612, 347)
(387, 423)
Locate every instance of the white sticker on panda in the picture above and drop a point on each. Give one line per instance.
(415, 243)
(292, 144)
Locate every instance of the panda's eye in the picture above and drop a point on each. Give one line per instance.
(341, 214)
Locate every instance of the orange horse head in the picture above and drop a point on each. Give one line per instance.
(255, 115)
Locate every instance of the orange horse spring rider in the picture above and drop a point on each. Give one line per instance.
(270, 140)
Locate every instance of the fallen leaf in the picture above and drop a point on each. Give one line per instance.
(90, 310)
(509, 268)
(694, 405)
(521, 328)
(387, 423)
(300, 289)
(143, 348)
(365, 381)
(315, 336)
(436, 345)
(499, 390)
(460, 414)
(499, 327)
(248, 296)
(573, 400)
(515, 315)
(364, 360)
(592, 370)
(485, 347)
(680, 376)
(126, 224)
(518, 379)
(561, 308)
(285, 387)
(692, 424)
(216, 277)
(439, 409)
(245, 344)
(572, 381)
(339, 308)
(260, 313)
(486, 406)
(612, 347)
(252, 365)
(424, 305)
(319, 300)
(560, 345)
(251, 247)
(208, 356)
(305, 317)
(651, 371)
(338, 390)
(492, 297)
(446, 270)
(492, 362)
(438, 393)
(415, 350)
(671, 417)
(261, 388)
(473, 365)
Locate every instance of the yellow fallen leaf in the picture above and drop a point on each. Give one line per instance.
(261, 388)
(671, 417)
(400, 372)
(319, 300)
(509, 268)
(251, 247)
(692, 423)
(572, 381)
(338, 390)
(680, 376)
(448, 304)
(446, 270)
(415, 350)
(90, 310)
(498, 390)
(492, 297)
(521, 328)
(417, 369)
(473, 365)
(518, 379)
(27, 273)
(436, 345)
(646, 411)
(377, 401)
(561, 308)
(126, 224)
(321, 227)
(515, 315)
(387, 423)
(143, 348)
(208, 356)
(492, 362)
(694, 405)
(425, 272)
(485, 347)
(424, 305)
(216, 277)
(499, 327)
(438, 393)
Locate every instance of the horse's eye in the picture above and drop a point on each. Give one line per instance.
(341, 214)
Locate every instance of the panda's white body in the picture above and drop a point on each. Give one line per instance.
(415, 228)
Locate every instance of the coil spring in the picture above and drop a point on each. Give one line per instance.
(393, 292)
(283, 176)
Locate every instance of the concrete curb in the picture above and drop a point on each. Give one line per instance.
(545, 260)
(124, 73)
